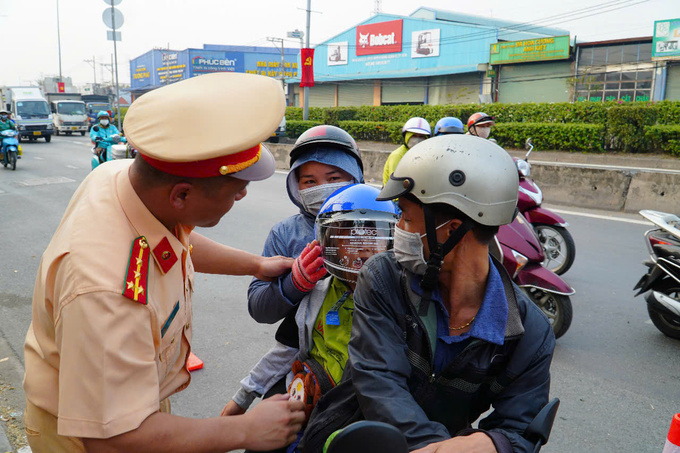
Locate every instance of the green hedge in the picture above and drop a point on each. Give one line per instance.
(296, 127)
(664, 138)
(551, 136)
(668, 112)
(621, 127)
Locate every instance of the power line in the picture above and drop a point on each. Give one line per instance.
(582, 13)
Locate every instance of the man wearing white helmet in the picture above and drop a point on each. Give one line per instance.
(415, 130)
(440, 332)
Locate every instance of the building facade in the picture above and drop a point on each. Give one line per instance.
(159, 67)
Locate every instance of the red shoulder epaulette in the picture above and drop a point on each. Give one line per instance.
(137, 274)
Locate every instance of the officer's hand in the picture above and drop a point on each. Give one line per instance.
(274, 423)
(232, 409)
(308, 267)
(272, 267)
(473, 443)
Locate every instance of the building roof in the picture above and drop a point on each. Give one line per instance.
(507, 30)
(616, 41)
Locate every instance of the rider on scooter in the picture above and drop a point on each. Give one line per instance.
(5, 122)
(449, 125)
(479, 124)
(103, 130)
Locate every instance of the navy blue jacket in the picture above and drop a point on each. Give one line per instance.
(391, 363)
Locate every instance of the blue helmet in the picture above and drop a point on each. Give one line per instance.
(103, 113)
(352, 226)
(449, 125)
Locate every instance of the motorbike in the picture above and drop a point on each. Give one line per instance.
(661, 282)
(520, 252)
(369, 436)
(112, 148)
(10, 148)
(558, 244)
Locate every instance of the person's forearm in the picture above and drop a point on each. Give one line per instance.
(168, 433)
(210, 257)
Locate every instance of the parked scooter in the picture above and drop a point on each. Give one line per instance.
(522, 255)
(369, 436)
(9, 151)
(558, 244)
(111, 148)
(662, 279)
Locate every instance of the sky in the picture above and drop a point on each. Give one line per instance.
(30, 50)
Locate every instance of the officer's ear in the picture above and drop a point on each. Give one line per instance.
(180, 194)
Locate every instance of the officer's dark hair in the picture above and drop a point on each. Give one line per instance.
(443, 212)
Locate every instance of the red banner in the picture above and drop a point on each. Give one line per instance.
(61, 87)
(307, 59)
(383, 37)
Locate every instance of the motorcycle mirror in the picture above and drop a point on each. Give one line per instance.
(530, 146)
(96, 128)
(539, 429)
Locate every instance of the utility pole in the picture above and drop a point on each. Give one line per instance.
(280, 41)
(115, 54)
(305, 112)
(59, 42)
(93, 63)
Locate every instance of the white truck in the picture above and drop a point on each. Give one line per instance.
(69, 113)
(30, 111)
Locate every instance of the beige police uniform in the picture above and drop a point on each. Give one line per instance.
(112, 306)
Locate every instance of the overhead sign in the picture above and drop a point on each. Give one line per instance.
(379, 38)
(538, 49)
(666, 37)
(213, 61)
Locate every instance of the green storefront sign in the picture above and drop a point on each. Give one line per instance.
(539, 49)
(666, 43)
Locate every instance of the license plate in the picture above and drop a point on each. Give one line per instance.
(74, 128)
(36, 133)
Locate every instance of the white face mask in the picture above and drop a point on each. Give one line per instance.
(483, 131)
(408, 249)
(314, 197)
(104, 122)
(413, 141)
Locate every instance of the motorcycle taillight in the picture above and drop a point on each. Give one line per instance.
(659, 240)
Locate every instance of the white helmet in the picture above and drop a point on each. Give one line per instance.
(475, 176)
(417, 125)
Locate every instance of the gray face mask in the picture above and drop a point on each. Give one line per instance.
(413, 141)
(314, 197)
(408, 250)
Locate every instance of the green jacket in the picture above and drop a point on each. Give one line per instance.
(9, 124)
(392, 162)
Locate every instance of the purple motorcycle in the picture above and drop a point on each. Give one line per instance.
(521, 254)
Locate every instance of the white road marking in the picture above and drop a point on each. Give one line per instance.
(559, 211)
(602, 217)
(44, 181)
(607, 167)
(38, 158)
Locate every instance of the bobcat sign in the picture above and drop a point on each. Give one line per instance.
(383, 37)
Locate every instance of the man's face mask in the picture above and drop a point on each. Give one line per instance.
(408, 249)
(413, 141)
(3, 117)
(483, 131)
(104, 122)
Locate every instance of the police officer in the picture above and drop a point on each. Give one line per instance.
(112, 320)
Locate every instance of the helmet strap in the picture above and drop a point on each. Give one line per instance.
(438, 251)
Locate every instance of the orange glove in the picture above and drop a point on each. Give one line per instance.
(308, 267)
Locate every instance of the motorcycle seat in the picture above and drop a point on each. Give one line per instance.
(667, 251)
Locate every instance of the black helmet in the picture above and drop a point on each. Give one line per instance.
(328, 136)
